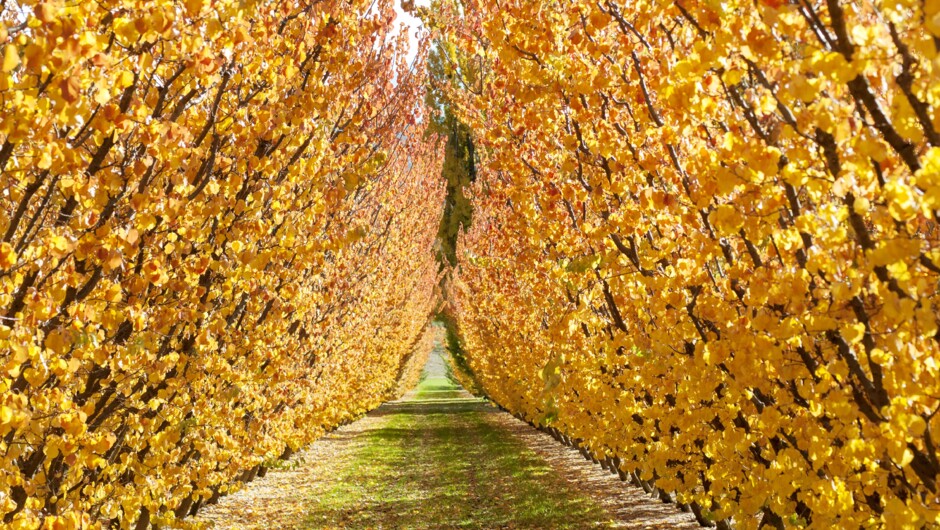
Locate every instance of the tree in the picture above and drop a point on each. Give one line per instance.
(446, 67)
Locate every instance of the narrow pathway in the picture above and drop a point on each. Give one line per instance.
(440, 458)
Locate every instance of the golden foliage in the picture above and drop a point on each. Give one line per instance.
(217, 224)
(413, 365)
(705, 241)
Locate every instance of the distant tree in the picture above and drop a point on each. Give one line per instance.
(444, 69)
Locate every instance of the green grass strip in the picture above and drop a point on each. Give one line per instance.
(438, 463)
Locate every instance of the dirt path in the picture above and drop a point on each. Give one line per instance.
(440, 458)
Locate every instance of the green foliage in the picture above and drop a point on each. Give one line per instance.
(445, 68)
(458, 170)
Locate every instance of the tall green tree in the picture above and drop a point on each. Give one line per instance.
(458, 169)
(446, 68)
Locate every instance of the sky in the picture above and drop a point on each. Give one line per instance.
(413, 26)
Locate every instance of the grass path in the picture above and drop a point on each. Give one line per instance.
(439, 458)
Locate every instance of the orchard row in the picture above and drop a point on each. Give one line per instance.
(705, 242)
(217, 224)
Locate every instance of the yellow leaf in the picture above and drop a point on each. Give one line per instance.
(726, 219)
(7, 256)
(125, 79)
(854, 333)
(6, 415)
(45, 159)
(11, 58)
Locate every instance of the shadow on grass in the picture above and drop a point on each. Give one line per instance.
(435, 406)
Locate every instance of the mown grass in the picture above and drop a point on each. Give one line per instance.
(437, 463)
